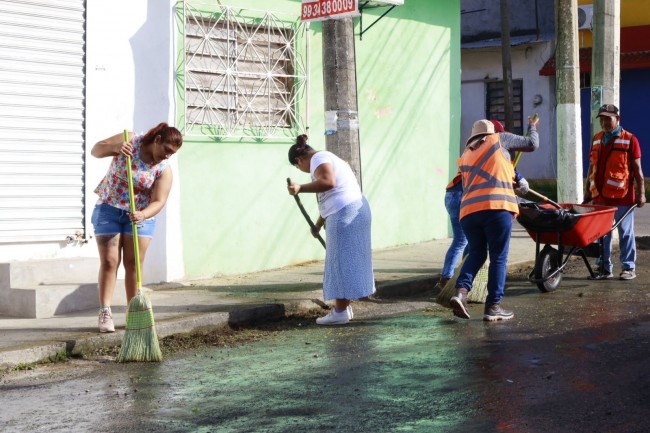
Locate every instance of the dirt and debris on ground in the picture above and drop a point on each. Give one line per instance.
(230, 336)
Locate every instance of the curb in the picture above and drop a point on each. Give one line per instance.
(186, 325)
(408, 287)
(642, 242)
(238, 316)
(419, 285)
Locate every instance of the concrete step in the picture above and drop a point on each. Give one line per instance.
(46, 288)
(54, 299)
(53, 271)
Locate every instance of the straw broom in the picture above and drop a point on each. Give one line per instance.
(478, 294)
(140, 338)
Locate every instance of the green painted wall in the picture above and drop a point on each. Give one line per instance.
(236, 214)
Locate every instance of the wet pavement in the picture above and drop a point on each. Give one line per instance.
(574, 360)
(192, 305)
(180, 307)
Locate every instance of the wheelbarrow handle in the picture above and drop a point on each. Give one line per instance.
(544, 198)
(616, 223)
(306, 215)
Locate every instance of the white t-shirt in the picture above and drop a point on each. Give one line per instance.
(346, 190)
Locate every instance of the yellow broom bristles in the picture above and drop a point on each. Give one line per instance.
(478, 294)
(140, 338)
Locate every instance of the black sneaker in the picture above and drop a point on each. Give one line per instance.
(601, 276)
(459, 304)
(495, 312)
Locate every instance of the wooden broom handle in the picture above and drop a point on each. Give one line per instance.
(306, 215)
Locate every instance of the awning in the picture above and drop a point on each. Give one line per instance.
(633, 60)
(635, 52)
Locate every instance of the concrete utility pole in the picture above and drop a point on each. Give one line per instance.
(606, 57)
(569, 132)
(507, 65)
(340, 83)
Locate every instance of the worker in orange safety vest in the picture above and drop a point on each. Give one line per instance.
(614, 171)
(487, 209)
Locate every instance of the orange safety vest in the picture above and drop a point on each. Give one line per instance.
(455, 181)
(615, 180)
(487, 179)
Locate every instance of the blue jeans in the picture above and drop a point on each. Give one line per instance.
(626, 241)
(459, 241)
(110, 221)
(487, 231)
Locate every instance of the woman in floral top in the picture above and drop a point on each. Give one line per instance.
(112, 219)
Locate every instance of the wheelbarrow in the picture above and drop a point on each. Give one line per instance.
(576, 230)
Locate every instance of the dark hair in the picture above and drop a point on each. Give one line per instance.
(168, 134)
(301, 148)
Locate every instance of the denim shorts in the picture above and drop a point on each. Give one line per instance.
(108, 221)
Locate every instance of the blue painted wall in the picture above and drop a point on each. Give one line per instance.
(634, 104)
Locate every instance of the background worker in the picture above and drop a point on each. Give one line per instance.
(614, 170)
(112, 218)
(348, 256)
(453, 197)
(487, 209)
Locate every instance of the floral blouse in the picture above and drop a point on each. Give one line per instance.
(113, 190)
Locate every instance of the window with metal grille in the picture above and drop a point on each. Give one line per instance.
(243, 73)
(495, 103)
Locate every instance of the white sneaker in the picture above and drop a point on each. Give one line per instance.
(627, 274)
(350, 312)
(334, 318)
(106, 321)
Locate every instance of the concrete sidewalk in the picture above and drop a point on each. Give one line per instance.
(193, 305)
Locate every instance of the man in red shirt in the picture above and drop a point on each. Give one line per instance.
(614, 170)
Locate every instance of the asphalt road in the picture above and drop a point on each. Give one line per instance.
(574, 360)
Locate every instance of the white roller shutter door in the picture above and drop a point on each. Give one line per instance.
(42, 48)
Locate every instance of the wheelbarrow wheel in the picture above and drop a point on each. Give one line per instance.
(547, 263)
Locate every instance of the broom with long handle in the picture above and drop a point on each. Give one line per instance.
(140, 338)
(306, 215)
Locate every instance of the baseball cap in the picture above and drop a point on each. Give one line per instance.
(608, 110)
(498, 126)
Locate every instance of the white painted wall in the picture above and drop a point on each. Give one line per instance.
(129, 85)
(485, 63)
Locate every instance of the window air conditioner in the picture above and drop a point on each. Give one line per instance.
(585, 16)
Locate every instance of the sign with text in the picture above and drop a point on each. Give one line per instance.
(318, 10)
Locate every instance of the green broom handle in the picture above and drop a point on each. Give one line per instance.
(136, 247)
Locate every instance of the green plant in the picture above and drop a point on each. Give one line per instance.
(61, 356)
(546, 187)
(23, 366)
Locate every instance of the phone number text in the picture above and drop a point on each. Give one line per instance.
(324, 8)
